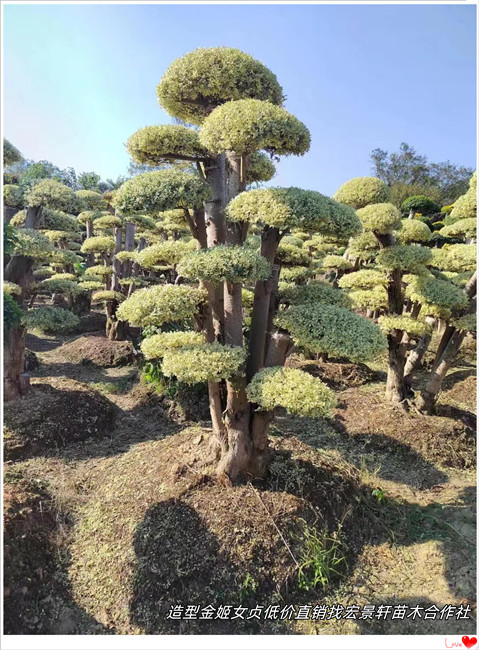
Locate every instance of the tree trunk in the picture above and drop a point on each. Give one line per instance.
(80, 304)
(233, 309)
(395, 390)
(428, 397)
(116, 330)
(20, 270)
(415, 358)
(13, 363)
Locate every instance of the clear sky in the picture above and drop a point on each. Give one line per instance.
(80, 79)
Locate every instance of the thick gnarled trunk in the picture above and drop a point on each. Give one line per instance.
(13, 364)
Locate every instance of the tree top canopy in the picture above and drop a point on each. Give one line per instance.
(52, 194)
(199, 81)
(413, 230)
(246, 125)
(295, 208)
(155, 145)
(204, 362)
(361, 191)
(91, 199)
(11, 155)
(381, 218)
(162, 190)
(420, 203)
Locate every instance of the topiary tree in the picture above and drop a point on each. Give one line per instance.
(419, 203)
(11, 155)
(236, 103)
(362, 191)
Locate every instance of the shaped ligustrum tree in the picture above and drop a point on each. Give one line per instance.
(228, 320)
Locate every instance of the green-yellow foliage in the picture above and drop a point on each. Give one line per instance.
(375, 298)
(412, 326)
(90, 285)
(438, 298)
(98, 245)
(106, 222)
(53, 285)
(456, 258)
(247, 125)
(161, 304)
(89, 215)
(199, 81)
(313, 292)
(336, 262)
(201, 363)
(468, 322)
(106, 296)
(99, 270)
(12, 195)
(162, 190)
(52, 194)
(295, 208)
(296, 273)
(295, 390)
(405, 258)
(361, 191)
(292, 254)
(332, 329)
(155, 346)
(155, 145)
(461, 228)
(31, 243)
(50, 319)
(364, 247)
(126, 256)
(413, 230)
(381, 218)
(11, 288)
(231, 263)
(90, 200)
(167, 252)
(363, 279)
(260, 168)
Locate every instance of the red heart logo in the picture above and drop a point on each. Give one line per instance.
(469, 641)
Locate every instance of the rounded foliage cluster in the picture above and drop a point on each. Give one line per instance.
(296, 273)
(31, 243)
(374, 298)
(412, 326)
(313, 292)
(161, 304)
(381, 218)
(156, 145)
(332, 329)
(363, 279)
(460, 228)
(292, 254)
(364, 246)
(413, 230)
(99, 270)
(248, 125)
(106, 222)
(231, 263)
(12, 195)
(361, 191)
(457, 258)
(199, 81)
(465, 207)
(98, 245)
(162, 190)
(58, 220)
(293, 389)
(126, 256)
(90, 200)
(52, 194)
(89, 215)
(295, 208)
(50, 319)
(55, 285)
(468, 322)
(260, 168)
(201, 363)
(155, 346)
(11, 155)
(437, 297)
(168, 252)
(405, 258)
(420, 203)
(336, 262)
(11, 288)
(107, 296)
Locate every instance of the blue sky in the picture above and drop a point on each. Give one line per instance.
(80, 79)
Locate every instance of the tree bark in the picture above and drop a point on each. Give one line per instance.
(395, 389)
(13, 363)
(415, 358)
(116, 330)
(233, 310)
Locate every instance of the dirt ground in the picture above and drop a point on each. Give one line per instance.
(112, 512)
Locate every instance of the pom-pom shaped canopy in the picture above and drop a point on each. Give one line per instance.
(332, 329)
(295, 208)
(89, 215)
(52, 194)
(201, 363)
(168, 252)
(43, 272)
(156, 145)
(465, 207)
(294, 240)
(296, 273)
(420, 203)
(11, 155)
(364, 246)
(248, 125)
(437, 297)
(313, 292)
(98, 245)
(59, 257)
(230, 263)
(413, 230)
(154, 347)
(166, 189)
(57, 220)
(11, 288)
(336, 262)
(293, 389)
(364, 279)
(457, 258)
(459, 279)
(374, 298)
(64, 276)
(381, 218)
(107, 296)
(106, 222)
(293, 255)
(261, 168)
(12, 195)
(90, 200)
(412, 326)
(161, 304)
(90, 285)
(405, 258)
(361, 191)
(99, 270)
(61, 235)
(31, 243)
(126, 256)
(58, 285)
(468, 322)
(461, 228)
(50, 319)
(199, 81)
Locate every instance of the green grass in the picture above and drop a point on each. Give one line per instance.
(322, 558)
